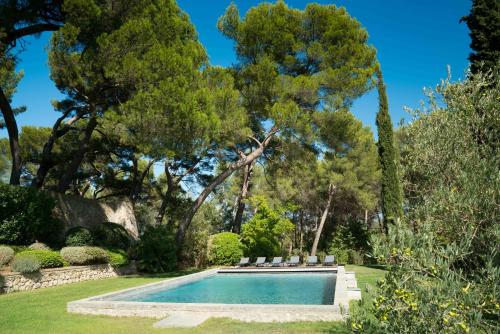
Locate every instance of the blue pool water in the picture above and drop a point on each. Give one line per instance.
(306, 288)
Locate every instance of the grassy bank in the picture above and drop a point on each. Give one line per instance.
(44, 311)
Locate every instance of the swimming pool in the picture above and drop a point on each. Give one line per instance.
(245, 288)
(245, 294)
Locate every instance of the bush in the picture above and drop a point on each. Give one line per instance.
(46, 258)
(268, 233)
(225, 248)
(84, 255)
(6, 255)
(341, 254)
(26, 216)
(443, 258)
(117, 257)
(79, 236)
(26, 264)
(156, 250)
(38, 246)
(111, 235)
(355, 257)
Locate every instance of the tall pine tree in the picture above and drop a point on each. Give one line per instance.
(391, 190)
(484, 24)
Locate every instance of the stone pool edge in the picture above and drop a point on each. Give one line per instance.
(345, 290)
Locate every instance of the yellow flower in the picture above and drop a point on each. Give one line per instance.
(452, 314)
(464, 326)
(466, 289)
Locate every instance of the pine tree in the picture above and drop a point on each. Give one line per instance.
(484, 24)
(391, 191)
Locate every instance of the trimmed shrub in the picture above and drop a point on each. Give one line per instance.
(156, 250)
(225, 248)
(355, 257)
(117, 257)
(84, 255)
(26, 216)
(47, 258)
(6, 255)
(26, 264)
(111, 235)
(38, 246)
(79, 236)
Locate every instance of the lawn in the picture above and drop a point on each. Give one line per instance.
(44, 311)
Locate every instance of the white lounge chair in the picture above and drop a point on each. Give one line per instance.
(312, 260)
(294, 261)
(277, 261)
(244, 261)
(261, 261)
(329, 260)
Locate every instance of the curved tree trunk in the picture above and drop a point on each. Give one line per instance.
(331, 191)
(15, 149)
(47, 162)
(240, 206)
(73, 166)
(242, 162)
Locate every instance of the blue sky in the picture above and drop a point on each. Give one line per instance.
(416, 40)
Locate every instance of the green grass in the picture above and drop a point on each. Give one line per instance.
(44, 311)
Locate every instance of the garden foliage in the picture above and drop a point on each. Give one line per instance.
(225, 249)
(6, 255)
(26, 216)
(84, 255)
(26, 264)
(156, 250)
(268, 232)
(79, 236)
(444, 259)
(46, 258)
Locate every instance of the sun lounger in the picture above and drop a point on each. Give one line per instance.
(244, 261)
(294, 261)
(261, 261)
(277, 261)
(312, 260)
(329, 260)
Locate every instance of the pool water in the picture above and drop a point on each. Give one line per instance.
(302, 288)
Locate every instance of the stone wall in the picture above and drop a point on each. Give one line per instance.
(78, 211)
(58, 276)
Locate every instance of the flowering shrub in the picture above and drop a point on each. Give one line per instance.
(444, 263)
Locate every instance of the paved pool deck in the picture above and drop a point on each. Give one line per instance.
(181, 313)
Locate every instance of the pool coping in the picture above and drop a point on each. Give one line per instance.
(345, 290)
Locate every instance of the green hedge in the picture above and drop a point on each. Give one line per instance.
(117, 257)
(26, 216)
(47, 258)
(84, 255)
(225, 249)
(26, 264)
(111, 235)
(156, 250)
(6, 255)
(79, 236)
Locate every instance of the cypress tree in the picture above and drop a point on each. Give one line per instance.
(391, 191)
(484, 24)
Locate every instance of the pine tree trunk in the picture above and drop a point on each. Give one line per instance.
(15, 149)
(69, 173)
(240, 205)
(331, 192)
(171, 184)
(242, 162)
